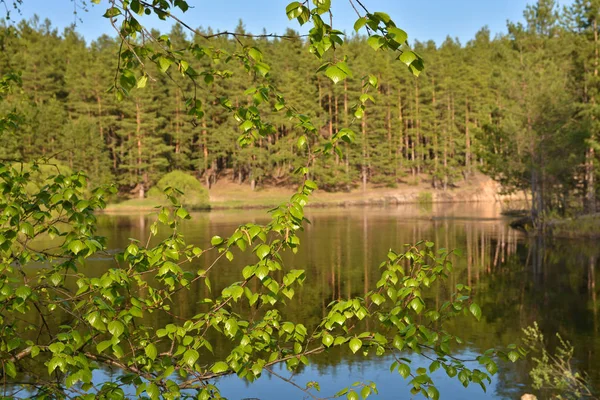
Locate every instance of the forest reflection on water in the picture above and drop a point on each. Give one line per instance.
(516, 280)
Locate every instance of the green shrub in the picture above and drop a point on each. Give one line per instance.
(424, 198)
(555, 373)
(193, 195)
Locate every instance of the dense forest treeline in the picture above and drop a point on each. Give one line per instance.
(522, 107)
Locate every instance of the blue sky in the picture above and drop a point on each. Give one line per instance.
(423, 20)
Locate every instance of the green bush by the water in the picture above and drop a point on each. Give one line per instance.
(194, 194)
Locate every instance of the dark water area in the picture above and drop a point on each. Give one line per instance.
(517, 280)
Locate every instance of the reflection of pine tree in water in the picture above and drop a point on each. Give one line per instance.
(593, 261)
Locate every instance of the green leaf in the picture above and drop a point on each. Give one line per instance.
(96, 321)
(327, 340)
(182, 213)
(293, 10)
(116, 328)
(382, 16)
(338, 72)
(219, 367)
(360, 23)
(404, 370)
(376, 42)
(416, 67)
(322, 5)
(262, 251)
(141, 82)
(190, 357)
(407, 57)
(301, 141)
(417, 305)
(433, 392)
(255, 54)
(513, 356)
(23, 292)
(112, 12)
(335, 74)
(261, 272)
(373, 81)
(164, 63)
(152, 391)
(10, 369)
(398, 35)
(216, 240)
(491, 367)
(475, 310)
(365, 392)
(451, 372)
(151, 351)
(434, 366)
(366, 97)
(352, 395)
(246, 126)
(355, 344)
(27, 229)
(310, 184)
(76, 246)
(105, 344)
(262, 68)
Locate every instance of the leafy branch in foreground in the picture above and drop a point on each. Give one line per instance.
(105, 320)
(57, 312)
(140, 48)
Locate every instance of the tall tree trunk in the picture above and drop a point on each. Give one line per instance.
(330, 111)
(590, 154)
(412, 141)
(204, 133)
(364, 151)
(420, 155)
(388, 123)
(467, 139)
(590, 195)
(346, 147)
(138, 133)
(435, 177)
(398, 161)
(100, 126)
(337, 124)
(447, 130)
(177, 123)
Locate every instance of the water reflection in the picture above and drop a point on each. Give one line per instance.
(516, 280)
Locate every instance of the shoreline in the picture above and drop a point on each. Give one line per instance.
(227, 195)
(337, 200)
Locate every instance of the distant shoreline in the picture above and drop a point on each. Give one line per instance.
(228, 195)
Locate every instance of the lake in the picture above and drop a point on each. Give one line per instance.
(516, 280)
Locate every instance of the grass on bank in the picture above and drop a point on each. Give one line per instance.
(587, 226)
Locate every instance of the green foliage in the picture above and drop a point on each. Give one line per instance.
(188, 190)
(553, 373)
(182, 121)
(61, 320)
(104, 317)
(41, 173)
(424, 198)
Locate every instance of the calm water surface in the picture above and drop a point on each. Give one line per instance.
(516, 280)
